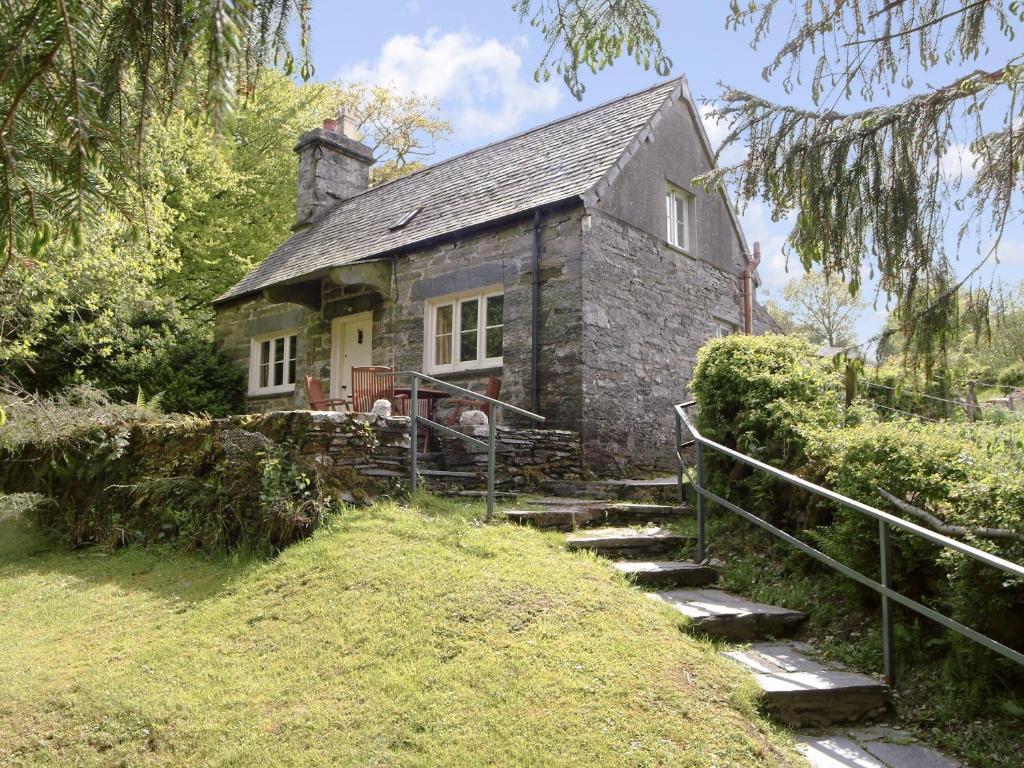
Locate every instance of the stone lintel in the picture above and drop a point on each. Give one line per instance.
(306, 294)
(375, 275)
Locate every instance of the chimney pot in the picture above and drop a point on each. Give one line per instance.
(330, 124)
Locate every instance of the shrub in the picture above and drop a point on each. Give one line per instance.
(966, 475)
(1012, 376)
(757, 394)
(753, 391)
(187, 373)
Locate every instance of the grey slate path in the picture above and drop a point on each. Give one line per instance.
(804, 692)
(870, 748)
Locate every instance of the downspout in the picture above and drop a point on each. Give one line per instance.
(748, 290)
(535, 319)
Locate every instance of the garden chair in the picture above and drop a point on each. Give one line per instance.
(466, 404)
(368, 386)
(317, 401)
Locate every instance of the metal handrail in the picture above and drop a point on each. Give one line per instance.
(492, 426)
(885, 521)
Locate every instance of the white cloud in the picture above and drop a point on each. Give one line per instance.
(957, 164)
(1010, 252)
(480, 83)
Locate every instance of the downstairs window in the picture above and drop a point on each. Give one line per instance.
(464, 331)
(272, 363)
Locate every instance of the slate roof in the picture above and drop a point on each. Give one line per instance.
(549, 164)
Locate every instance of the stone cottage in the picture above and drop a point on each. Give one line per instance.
(576, 261)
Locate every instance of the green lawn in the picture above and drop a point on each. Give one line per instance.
(395, 636)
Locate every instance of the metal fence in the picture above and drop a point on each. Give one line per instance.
(886, 522)
(415, 421)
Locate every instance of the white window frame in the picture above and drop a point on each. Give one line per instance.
(724, 328)
(255, 362)
(679, 200)
(455, 300)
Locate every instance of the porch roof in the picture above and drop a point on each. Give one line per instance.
(553, 163)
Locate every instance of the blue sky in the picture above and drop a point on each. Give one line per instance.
(477, 60)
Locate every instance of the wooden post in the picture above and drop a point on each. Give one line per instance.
(972, 402)
(851, 383)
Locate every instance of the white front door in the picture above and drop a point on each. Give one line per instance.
(351, 347)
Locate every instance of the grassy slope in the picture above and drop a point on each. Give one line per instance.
(392, 637)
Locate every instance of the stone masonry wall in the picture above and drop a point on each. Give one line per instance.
(500, 256)
(524, 458)
(647, 308)
(236, 323)
(503, 256)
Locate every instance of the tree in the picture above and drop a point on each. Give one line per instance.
(81, 80)
(234, 198)
(868, 187)
(823, 309)
(132, 300)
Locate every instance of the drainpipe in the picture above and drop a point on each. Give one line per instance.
(535, 319)
(748, 290)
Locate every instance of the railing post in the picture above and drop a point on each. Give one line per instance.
(888, 647)
(679, 458)
(413, 472)
(492, 417)
(700, 502)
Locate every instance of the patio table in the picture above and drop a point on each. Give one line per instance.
(432, 396)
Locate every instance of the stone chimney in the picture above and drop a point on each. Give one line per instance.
(333, 166)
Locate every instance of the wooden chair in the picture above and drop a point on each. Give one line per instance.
(368, 387)
(317, 401)
(460, 404)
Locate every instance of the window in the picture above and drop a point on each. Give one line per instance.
(724, 328)
(272, 364)
(465, 331)
(679, 214)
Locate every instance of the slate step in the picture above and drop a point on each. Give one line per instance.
(628, 543)
(802, 692)
(876, 747)
(500, 495)
(444, 473)
(667, 573)
(663, 490)
(566, 516)
(725, 616)
(556, 518)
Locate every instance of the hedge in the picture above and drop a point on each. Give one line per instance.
(772, 397)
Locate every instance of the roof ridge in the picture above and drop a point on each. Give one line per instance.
(548, 124)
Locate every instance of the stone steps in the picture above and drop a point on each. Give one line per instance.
(629, 543)
(875, 747)
(725, 616)
(803, 692)
(797, 690)
(667, 573)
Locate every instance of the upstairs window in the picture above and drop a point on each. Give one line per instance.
(272, 363)
(679, 215)
(465, 331)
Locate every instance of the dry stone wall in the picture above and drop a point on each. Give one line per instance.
(255, 480)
